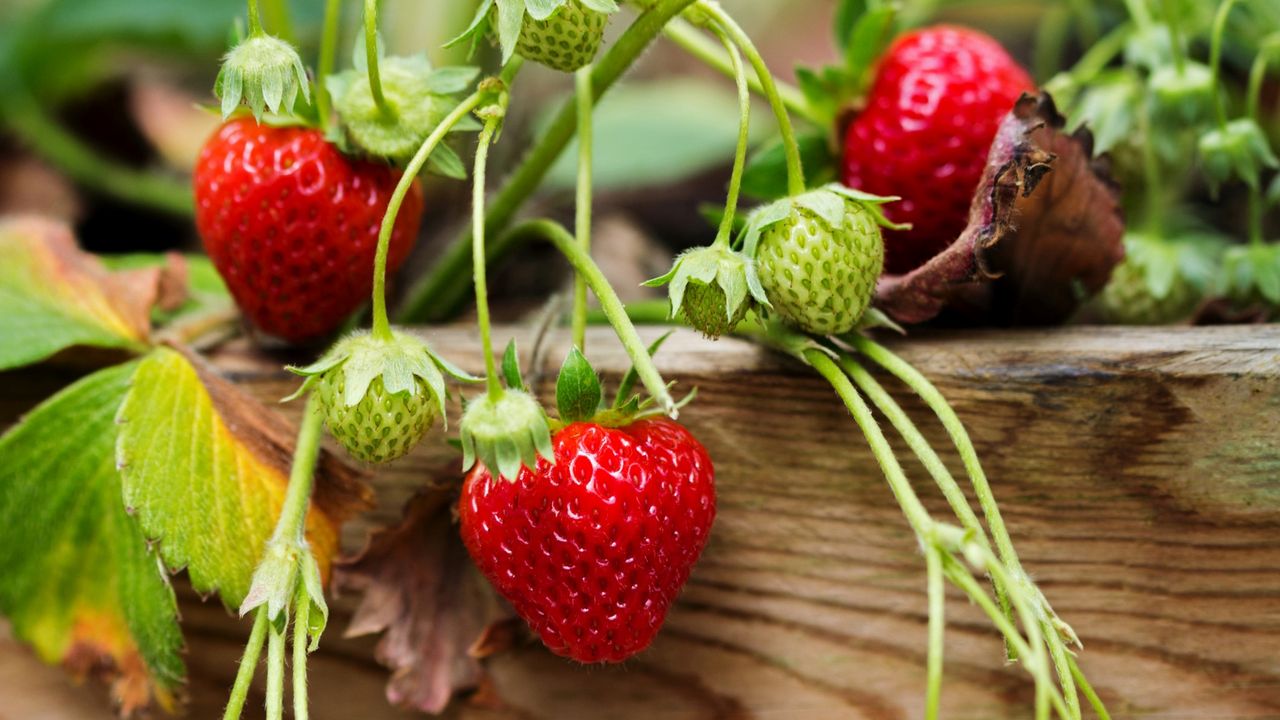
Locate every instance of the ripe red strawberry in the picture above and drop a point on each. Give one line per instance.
(931, 116)
(292, 225)
(592, 551)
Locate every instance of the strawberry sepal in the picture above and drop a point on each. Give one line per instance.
(264, 73)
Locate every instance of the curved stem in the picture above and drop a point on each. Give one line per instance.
(921, 386)
(1258, 74)
(248, 666)
(381, 325)
(34, 126)
(478, 265)
(301, 624)
(744, 139)
(937, 631)
(328, 58)
(444, 290)
(915, 511)
(275, 672)
(1063, 669)
(795, 170)
(1100, 54)
(1139, 12)
(293, 513)
(255, 19)
(612, 307)
(1215, 59)
(685, 35)
(371, 58)
(582, 223)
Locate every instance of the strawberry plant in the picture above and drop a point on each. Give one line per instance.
(929, 176)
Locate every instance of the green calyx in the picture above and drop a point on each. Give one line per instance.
(713, 287)
(505, 433)
(1238, 150)
(564, 35)
(1183, 95)
(263, 72)
(287, 573)
(420, 96)
(380, 395)
(580, 395)
(1251, 276)
(1160, 281)
(819, 255)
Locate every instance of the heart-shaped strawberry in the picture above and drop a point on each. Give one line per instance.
(593, 550)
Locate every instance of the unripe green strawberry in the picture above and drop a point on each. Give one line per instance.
(1160, 281)
(380, 395)
(713, 288)
(819, 256)
(567, 41)
(382, 426)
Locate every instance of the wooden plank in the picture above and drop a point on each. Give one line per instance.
(1139, 471)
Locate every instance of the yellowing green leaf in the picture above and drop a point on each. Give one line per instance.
(205, 469)
(54, 296)
(76, 576)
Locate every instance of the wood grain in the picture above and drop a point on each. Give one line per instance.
(1139, 472)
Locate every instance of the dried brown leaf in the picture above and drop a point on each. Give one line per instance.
(1045, 231)
(423, 592)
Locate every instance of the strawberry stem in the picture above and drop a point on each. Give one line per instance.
(582, 223)
(297, 497)
(1173, 18)
(1215, 60)
(381, 325)
(478, 264)
(301, 623)
(1253, 98)
(937, 630)
(744, 139)
(445, 288)
(255, 19)
(684, 34)
(795, 169)
(248, 667)
(328, 58)
(275, 671)
(371, 59)
(612, 306)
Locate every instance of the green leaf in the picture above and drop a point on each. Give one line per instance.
(578, 391)
(656, 133)
(848, 13)
(511, 367)
(871, 35)
(1109, 108)
(53, 296)
(205, 469)
(77, 579)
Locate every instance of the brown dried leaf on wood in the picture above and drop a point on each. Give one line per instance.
(422, 590)
(1045, 231)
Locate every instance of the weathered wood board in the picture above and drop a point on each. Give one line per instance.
(1139, 471)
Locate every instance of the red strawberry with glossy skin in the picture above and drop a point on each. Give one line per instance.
(292, 225)
(933, 111)
(592, 551)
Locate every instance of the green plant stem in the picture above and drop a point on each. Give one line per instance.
(381, 324)
(1215, 59)
(301, 624)
(279, 20)
(371, 59)
(1153, 179)
(255, 19)
(478, 264)
(1063, 669)
(612, 307)
(795, 170)
(1100, 54)
(1099, 707)
(1139, 12)
(292, 523)
(582, 224)
(248, 666)
(328, 59)
(275, 672)
(1173, 18)
(937, 631)
(35, 127)
(915, 511)
(444, 290)
(685, 35)
(1257, 75)
(725, 233)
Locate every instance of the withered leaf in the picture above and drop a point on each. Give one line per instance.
(1044, 233)
(436, 611)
